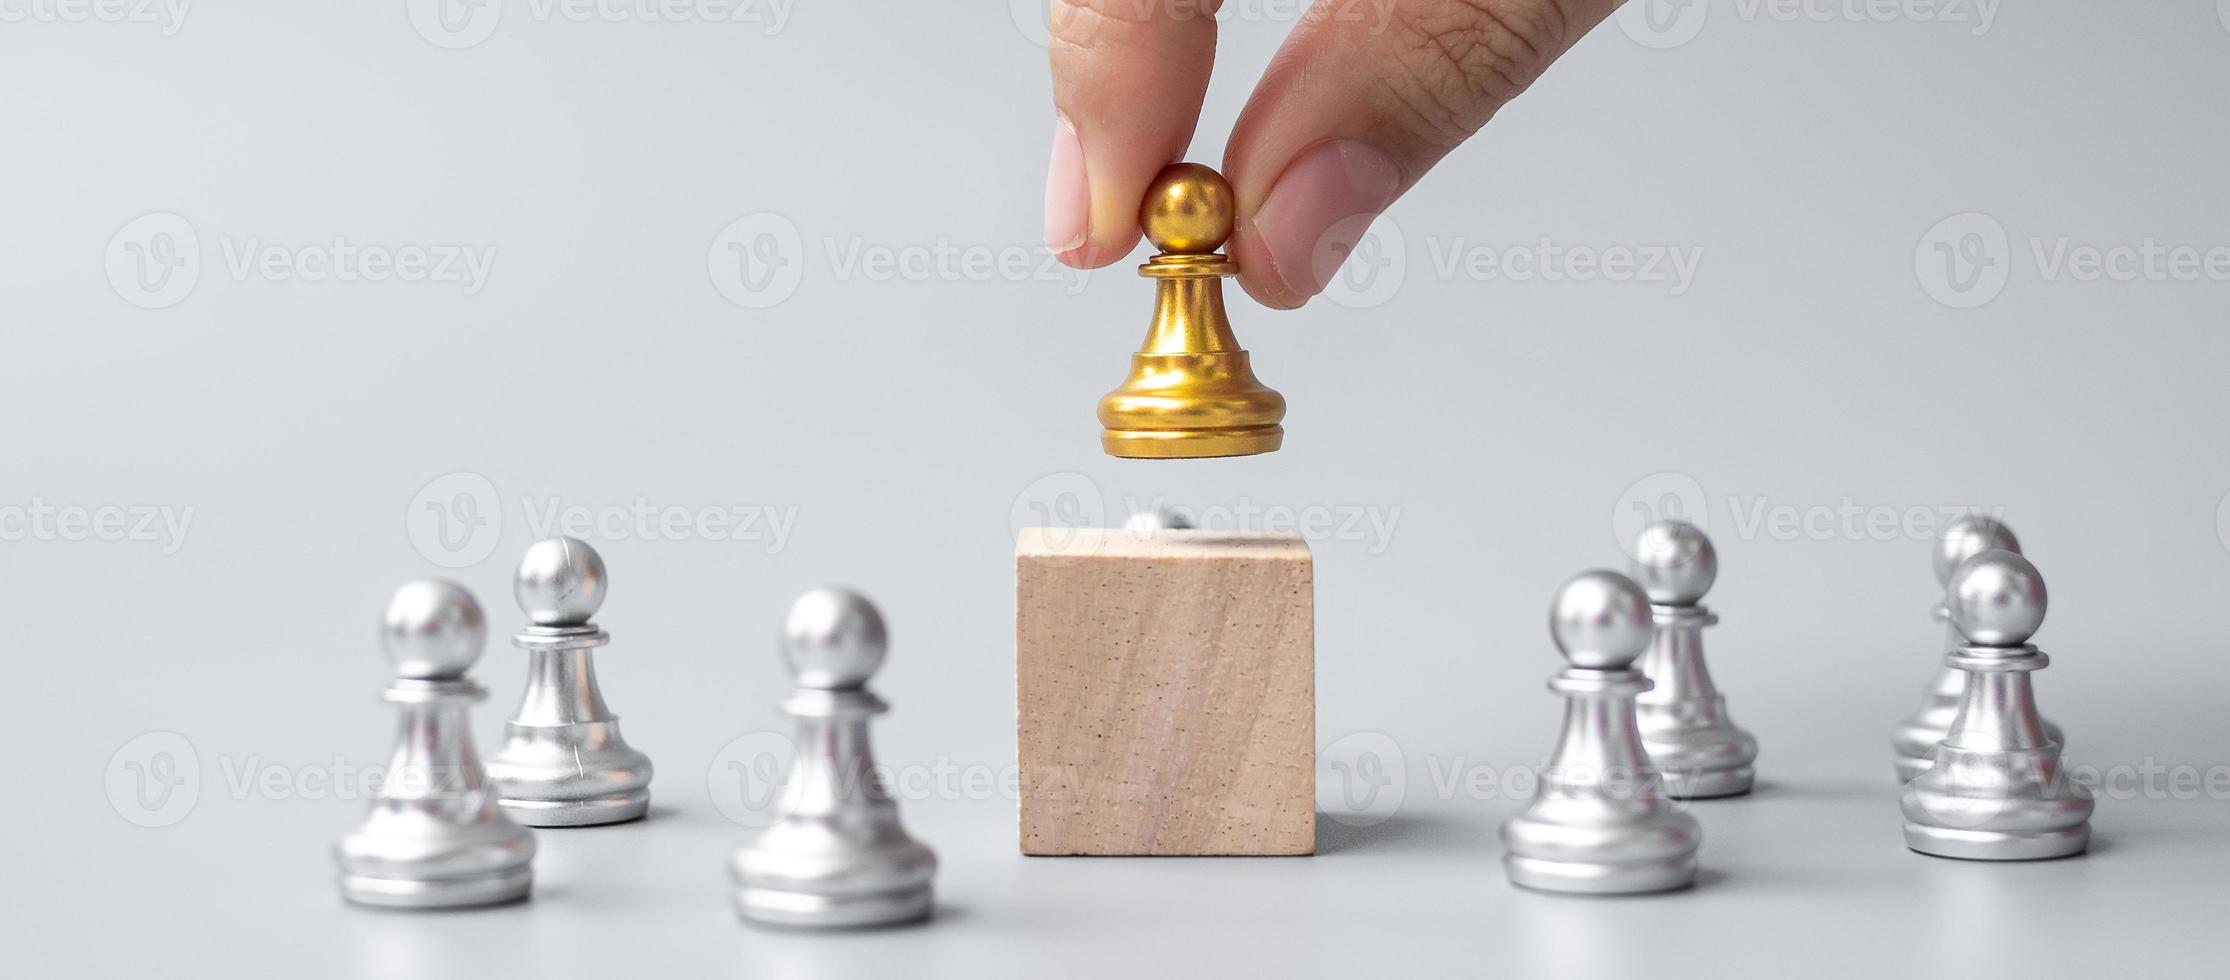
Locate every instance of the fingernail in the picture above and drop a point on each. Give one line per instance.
(1068, 196)
(1319, 209)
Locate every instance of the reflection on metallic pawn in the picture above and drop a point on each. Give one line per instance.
(563, 762)
(434, 837)
(837, 855)
(1158, 519)
(1699, 749)
(1995, 790)
(1915, 738)
(1600, 823)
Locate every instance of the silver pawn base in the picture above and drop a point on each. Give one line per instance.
(1995, 790)
(1700, 751)
(563, 762)
(579, 813)
(498, 888)
(1583, 836)
(1997, 845)
(837, 856)
(1914, 740)
(887, 886)
(1997, 804)
(1589, 878)
(433, 837)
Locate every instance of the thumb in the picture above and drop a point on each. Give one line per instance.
(1363, 98)
(1128, 76)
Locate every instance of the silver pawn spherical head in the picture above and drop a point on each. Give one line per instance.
(1996, 599)
(1967, 537)
(1600, 620)
(1675, 563)
(433, 630)
(560, 582)
(833, 639)
(1158, 519)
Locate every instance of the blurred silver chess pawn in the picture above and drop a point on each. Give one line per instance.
(1158, 519)
(1684, 724)
(1914, 739)
(836, 856)
(1600, 823)
(434, 837)
(563, 762)
(1995, 790)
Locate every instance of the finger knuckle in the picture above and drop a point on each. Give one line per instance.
(1463, 59)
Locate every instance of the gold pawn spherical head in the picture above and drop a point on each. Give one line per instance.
(1188, 210)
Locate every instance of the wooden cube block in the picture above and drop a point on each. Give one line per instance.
(1166, 692)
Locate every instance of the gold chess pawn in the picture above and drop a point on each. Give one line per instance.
(1191, 392)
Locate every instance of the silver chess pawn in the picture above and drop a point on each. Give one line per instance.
(563, 762)
(1600, 823)
(837, 855)
(1684, 724)
(1995, 790)
(1158, 519)
(1914, 740)
(434, 837)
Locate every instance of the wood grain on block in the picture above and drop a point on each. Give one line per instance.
(1166, 692)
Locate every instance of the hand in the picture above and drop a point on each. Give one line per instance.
(1362, 99)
